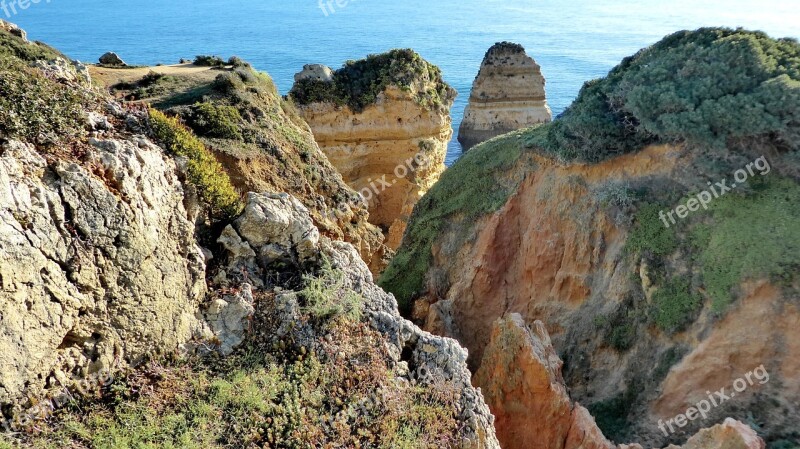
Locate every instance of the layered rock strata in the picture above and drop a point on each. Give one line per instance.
(391, 151)
(508, 94)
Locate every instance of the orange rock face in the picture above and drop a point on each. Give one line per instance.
(524, 388)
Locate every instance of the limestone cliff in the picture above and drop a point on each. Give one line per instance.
(508, 94)
(563, 223)
(390, 142)
(524, 387)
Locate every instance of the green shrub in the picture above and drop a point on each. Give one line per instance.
(684, 89)
(209, 61)
(205, 172)
(649, 234)
(37, 109)
(623, 336)
(675, 305)
(211, 120)
(359, 83)
(14, 47)
(237, 62)
(750, 236)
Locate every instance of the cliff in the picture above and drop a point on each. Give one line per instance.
(522, 376)
(647, 311)
(258, 137)
(384, 123)
(145, 302)
(508, 94)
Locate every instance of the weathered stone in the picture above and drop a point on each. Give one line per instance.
(508, 94)
(392, 152)
(95, 273)
(111, 58)
(318, 72)
(13, 29)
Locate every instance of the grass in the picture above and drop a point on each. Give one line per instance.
(205, 172)
(359, 83)
(649, 233)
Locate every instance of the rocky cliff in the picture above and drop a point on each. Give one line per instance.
(384, 123)
(649, 313)
(508, 94)
(145, 303)
(258, 137)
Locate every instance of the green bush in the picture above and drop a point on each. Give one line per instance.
(209, 61)
(14, 47)
(359, 83)
(685, 89)
(675, 305)
(37, 109)
(211, 120)
(750, 236)
(213, 184)
(649, 234)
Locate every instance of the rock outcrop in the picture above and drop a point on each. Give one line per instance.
(111, 59)
(262, 143)
(391, 150)
(525, 390)
(508, 94)
(96, 272)
(276, 230)
(14, 29)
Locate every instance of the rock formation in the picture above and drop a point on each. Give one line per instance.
(97, 272)
(391, 150)
(112, 59)
(102, 278)
(508, 94)
(523, 385)
(648, 315)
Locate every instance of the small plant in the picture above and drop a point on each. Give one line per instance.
(37, 109)
(237, 62)
(205, 171)
(327, 297)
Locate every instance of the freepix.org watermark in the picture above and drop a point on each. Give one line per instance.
(702, 408)
(704, 198)
(328, 7)
(12, 7)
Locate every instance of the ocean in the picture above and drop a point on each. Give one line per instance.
(573, 41)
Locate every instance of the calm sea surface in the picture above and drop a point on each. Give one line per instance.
(574, 41)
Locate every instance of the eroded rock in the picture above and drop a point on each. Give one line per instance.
(508, 94)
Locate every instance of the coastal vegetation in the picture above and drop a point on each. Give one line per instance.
(358, 84)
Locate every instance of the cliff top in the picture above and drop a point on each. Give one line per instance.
(358, 83)
(717, 89)
(504, 48)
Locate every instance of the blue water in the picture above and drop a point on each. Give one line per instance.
(574, 41)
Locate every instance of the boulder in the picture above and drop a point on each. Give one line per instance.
(112, 59)
(318, 72)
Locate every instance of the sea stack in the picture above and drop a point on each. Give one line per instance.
(508, 94)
